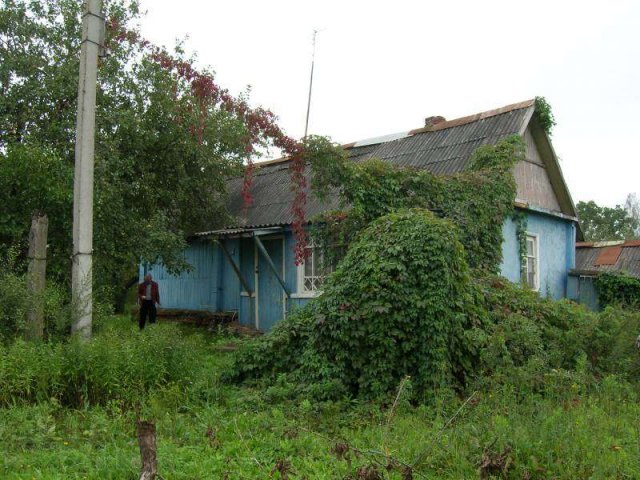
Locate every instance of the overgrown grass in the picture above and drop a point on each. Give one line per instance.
(120, 364)
(207, 429)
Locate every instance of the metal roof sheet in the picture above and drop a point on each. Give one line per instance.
(443, 149)
(608, 256)
(627, 261)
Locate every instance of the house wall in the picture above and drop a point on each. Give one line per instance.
(581, 289)
(213, 285)
(556, 238)
(206, 286)
(194, 290)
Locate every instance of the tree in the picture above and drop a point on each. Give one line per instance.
(632, 206)
(606, 223)
(167, 138)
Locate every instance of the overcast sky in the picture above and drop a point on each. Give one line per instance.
(381, 67)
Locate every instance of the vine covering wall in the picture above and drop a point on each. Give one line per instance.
(477, 200)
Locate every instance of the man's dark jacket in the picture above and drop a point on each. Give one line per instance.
(155, 293)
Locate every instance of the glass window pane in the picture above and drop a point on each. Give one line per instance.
(308, 285)
(530, 246)
(308, 265)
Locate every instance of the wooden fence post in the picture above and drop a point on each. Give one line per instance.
(147, 443)
(36, 276)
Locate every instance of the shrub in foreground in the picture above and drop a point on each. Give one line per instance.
(524, 340)
(388, 311)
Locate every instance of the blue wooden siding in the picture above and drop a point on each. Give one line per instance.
(213, 285)
(581, 289)
(194, 290)
(210, 285)
(271, 300)
(556, 237)
(247, 267)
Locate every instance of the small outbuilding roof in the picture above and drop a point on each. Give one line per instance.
(616, 256)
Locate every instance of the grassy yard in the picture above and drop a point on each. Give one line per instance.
(210, 430)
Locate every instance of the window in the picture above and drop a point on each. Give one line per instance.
(313, 271)
(531, 264)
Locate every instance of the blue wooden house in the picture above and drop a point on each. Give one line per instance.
(249, 266)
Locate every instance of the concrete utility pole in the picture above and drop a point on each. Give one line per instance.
(36, 276)
(81, 278)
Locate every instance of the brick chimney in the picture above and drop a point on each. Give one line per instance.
(431, 121)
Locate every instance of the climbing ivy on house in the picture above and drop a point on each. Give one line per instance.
(544, 114)
(477, 200)
(395, 306)
(520, 219)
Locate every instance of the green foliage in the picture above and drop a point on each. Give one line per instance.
(15, 300)
(289, 338)
(520, 219)
(120, 364)
(618, 288)
(156, 182)
(477, 201)
(530, 342)
(521, 338)
(503, 334)
(544, 114)
(606, 223)
(614, 347)
(386, 312)
(36, 179)
(213, 430)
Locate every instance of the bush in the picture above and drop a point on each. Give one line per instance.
(618, 288)
(614, 348)
(522, 338)
(15, 300)
(109, 367)
(368, 331)
(386, 312)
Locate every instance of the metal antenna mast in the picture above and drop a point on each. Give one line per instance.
(313, 61)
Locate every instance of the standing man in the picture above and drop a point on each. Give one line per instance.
(148, 297)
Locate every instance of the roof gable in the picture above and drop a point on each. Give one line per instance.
(552, 165)
(532, 178)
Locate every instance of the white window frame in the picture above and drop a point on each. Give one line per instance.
(301, 292)
(536, 257)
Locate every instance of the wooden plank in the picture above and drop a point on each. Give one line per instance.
(244, 283)
(273, 268)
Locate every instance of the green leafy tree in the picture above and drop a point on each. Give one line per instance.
(632, 206)
(167, 138)
(606, 223)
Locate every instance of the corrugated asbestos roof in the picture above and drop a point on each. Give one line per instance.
(589, 257)
(443, 149)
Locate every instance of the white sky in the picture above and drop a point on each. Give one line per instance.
(381, 67)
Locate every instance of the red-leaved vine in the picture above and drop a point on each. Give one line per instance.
(260, 123)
